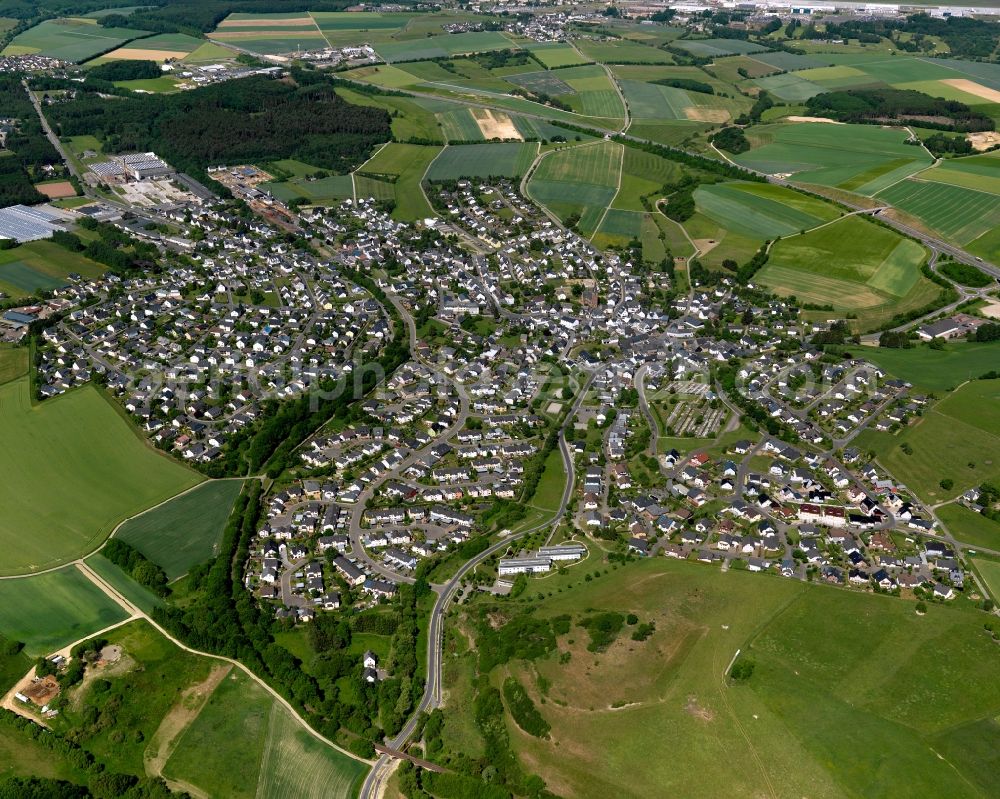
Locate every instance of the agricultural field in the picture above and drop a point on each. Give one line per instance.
(411, 118)
(623, 52)
(859, 158)
(403, 166)
(554, 55)
(714, 48)
(579, 180)
(41, 266)
(483, 160)
(73, 469)
(937, 370)
(13, 363)
(762, 210)
(47, 611)
(185, 530)
(442, 46)
(967, 216)
(258, 749)
(162, 47)
(74, 39)
(853, 265)
(771, 734)
(956, 439)
(124, 584)
(270, 34)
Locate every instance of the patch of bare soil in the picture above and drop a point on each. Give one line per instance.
(693, 708)
(185, 710)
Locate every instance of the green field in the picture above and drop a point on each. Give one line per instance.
(762, 210)
(579, 180)
(72, 469)
(483, 160)
(859, 158)
(970, 527)
(960, 214)
(937, 370)
(643, 175)
(48, 611)
(185, 530)
(869, 682)
(957, 439)
(70, 39)
(406, 165)
(990, 571)
(257, 749)
(442, 46)
(410, 117)
(151, 679)
(719, 47)
(556, 54)
(124, 584)
(618, 52)
(853, 265)
(41, 265)
(150, 86)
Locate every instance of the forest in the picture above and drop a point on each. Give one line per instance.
(259, 118)
(30, 149)
(900, 106)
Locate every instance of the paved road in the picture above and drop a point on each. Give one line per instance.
(432, 691)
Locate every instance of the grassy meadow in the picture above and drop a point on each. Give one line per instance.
(957, 439)
(870, 683)
(73, 469)
(853, 265)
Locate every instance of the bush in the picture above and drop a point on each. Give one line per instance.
(523, 710)
(603, 629)
(742, 669)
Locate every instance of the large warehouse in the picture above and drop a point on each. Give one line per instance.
(21, 223)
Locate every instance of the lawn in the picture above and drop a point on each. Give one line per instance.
(407, 164)
(186, 530)
(69, 39)
(956, 439)
(937, 370)
(970, 527)
(48, 611)
(853, 265)
(868, 683)
(483, 160)
(548, 495)
(73, 468)
(859, 158)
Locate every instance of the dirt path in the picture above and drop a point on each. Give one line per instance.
(179, 718)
